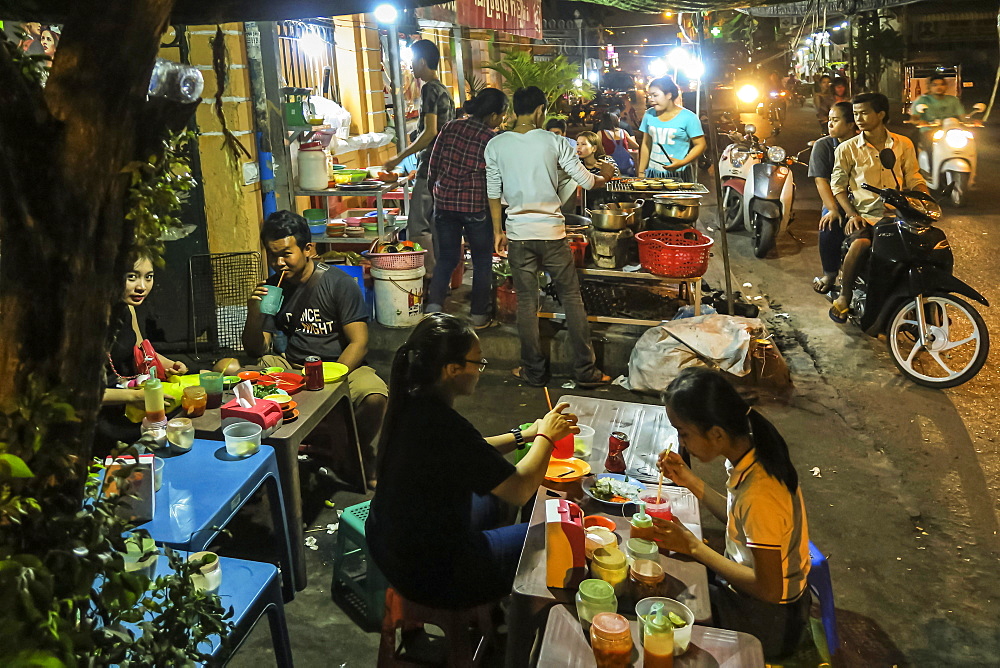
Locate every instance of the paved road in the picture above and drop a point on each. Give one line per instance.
(908, 501)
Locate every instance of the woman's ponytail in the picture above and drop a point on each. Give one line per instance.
(487, 102)
(772, 451)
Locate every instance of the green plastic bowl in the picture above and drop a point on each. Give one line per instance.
(357, 174)
(315, 216)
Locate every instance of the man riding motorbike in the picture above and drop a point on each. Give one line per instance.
(936, 105)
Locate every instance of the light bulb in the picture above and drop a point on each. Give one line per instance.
(386, 14)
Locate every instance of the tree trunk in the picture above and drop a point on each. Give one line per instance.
(62, 225)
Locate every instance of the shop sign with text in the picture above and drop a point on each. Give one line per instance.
(517, 17)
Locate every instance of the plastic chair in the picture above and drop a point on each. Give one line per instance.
(203, 490)
(401, 613)
(821, 587)
(358, 274)
(353, 569)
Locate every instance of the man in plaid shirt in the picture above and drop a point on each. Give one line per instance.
(457, 176)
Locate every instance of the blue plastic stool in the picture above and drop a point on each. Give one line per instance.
(358, 274)
(821, 587)
(354, 573)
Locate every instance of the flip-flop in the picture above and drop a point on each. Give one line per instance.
(821, 286)
(838, 314)
(589, 385)
(488, 325)
(516, 372)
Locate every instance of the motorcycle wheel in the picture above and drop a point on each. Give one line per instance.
(734, 210)
(959, 347)
(960, 187)
(764, 229)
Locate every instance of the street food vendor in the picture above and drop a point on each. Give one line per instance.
(673, 138)
(761, 585)
(434, 527)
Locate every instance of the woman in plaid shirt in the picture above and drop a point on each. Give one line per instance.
(457, 174)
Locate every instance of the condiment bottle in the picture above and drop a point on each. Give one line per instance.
(617, 442)
(593, 597)
(641, 524)
(645, 578)
(314, 373)
(657, 639)
(608, 564)
(611, 640)
(152, 392)
(640, 548)
(598, 537)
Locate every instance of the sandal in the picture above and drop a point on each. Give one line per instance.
(821, 285)
(487, 325)
(839, 314)
(516, 372)
(589, 385)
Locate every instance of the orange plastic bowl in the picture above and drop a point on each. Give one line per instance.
(598, 521)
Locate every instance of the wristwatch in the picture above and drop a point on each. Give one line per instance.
(518, 437)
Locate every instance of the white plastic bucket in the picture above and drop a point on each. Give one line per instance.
(399, 296)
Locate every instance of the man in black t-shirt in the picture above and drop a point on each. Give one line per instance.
(323, 314)
(436, 109)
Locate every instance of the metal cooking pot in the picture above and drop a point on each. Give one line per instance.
(609, 220)
(682, 208)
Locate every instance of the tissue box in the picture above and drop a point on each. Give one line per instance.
(265, 412)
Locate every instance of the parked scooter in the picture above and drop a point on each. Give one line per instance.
(952, 157)
(770, 198)
(907, 291)
(735, 165)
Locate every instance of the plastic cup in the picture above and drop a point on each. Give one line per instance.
(661, 510)
(564, 447)
(180, 433)
(583, 443)
(242, 439)
(157, 474)
(521, 452)
(212, 382)
(270, 303)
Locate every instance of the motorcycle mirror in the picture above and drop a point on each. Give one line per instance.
(920, 108)
(750, 128)
(812, 143)
(887, 158)
(978, 108)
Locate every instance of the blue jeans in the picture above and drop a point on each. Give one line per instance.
(449, 227)
(830, 247)
(504, 544)
(526, 259)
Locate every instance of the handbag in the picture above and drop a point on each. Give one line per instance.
(147, 361)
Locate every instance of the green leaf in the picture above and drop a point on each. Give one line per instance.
(15, 467)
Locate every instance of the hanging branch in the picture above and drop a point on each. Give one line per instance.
(220, 65)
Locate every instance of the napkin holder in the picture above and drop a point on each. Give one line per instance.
(565, 540)
(137, 503)
(265, 412)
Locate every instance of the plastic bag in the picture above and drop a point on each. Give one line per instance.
(657, 358)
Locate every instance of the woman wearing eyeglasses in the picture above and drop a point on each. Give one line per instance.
(434, 527)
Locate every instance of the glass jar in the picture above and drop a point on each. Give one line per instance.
(645, 579)
(608, 564)
(593, 597)
(611, 640)
(640, 548)
(598, 537)
(194, 400)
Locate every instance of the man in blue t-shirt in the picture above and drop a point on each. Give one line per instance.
(323, 314)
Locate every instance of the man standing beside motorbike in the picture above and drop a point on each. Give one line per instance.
(831, 224)
(856, 162)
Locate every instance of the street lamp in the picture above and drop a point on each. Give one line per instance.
(386, 14)
(658, 67)
(679, 58)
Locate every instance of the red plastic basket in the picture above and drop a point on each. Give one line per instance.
(674, 253)
(408, 260)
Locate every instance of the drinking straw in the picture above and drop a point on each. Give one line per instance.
(280, 278)
(548, 399)
(659, 489)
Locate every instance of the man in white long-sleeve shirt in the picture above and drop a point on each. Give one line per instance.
(522, 167)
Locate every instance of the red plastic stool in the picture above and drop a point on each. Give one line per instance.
(407, 615)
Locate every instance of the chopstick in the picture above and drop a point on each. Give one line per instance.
(548, 398)
(659, 489)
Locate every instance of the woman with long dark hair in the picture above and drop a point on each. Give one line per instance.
(761, 579)
(457, 176)
(434, 524)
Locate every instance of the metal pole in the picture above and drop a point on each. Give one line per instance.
(279, 173)
(259, 98)
(396, 76)
(713, 143)
(457, 46)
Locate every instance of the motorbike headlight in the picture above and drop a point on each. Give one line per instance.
(774, 93)
(776, 154)
(737, 158)
(927, 207)
(957, 138)
(938, 135)
(747, 94)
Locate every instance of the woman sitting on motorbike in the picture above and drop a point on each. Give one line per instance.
(831, 224)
